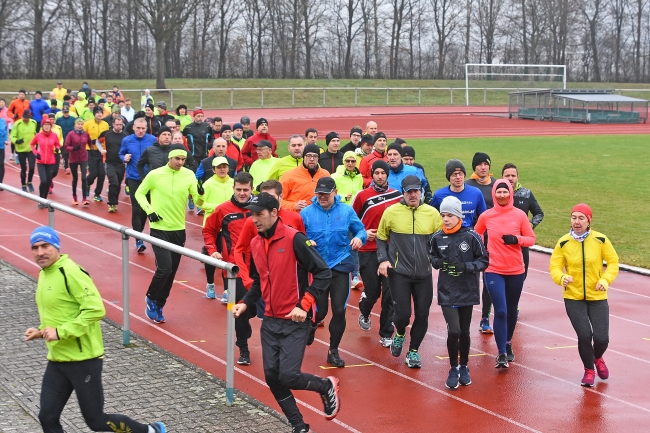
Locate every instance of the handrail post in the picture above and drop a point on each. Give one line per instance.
(387, 100)
(50, 216)
(232, 98)
(171, 96)
(420, 96)
(201, 98)
(323, 96)
(262, 97)
(230, 342)
(484, 96)
(126, 328)
(293, 98)
(451, 96)
(356, 92)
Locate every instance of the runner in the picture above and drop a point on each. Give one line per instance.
(458, 252)
(75, 144)
(327, 224)
(577, 265)
(408, 226)
(378, 149)
(298, 184)
(70, 308)
(47, 151)
(112, 143)
(292, 160)
(21, 136)
(276, 254)
(471, 197)
(218, 188)
(509, 229)
(370, 204)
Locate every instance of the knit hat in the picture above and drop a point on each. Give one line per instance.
(197, 111)
(357, 130)
(330, 136)
(45, 234)
(583, 208)
(394, 146)
(452, 205)
(400, 141)
(407, 151)
(502, 185)
(367, 138)
(219, 160)
(115, 108)
(349, 155)
(236, 126)
(98, 109)
(480, 157)
(225, 127)
(311, 148)
(150, 105)
(451, 167)
(380, 163)
(379, 135)
(81, 95)
(46, 121)
(162, 104)
(164, 129)
(260, 121)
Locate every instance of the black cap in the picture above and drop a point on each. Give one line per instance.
(399, 141)
(411, 182)
(225, 127)
(395, 146)
(59, 82)
(98, 109)
(480, 157)
(379, 135)
(367, 138)
(408, 151)
(325, 185)
(311, 148)
(164, 129)
(150, 105)
(260, 121)
(27, 114)
(330, 136)
(264, 143)
(262, 201)
(380, 163)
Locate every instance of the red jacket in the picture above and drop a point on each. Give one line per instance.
(46, 145)
(223, 227)
(248, 151)
(73, 139)
(365, 167)
(370, 206)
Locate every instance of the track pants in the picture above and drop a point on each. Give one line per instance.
(166, 265)
(339, 292)
(590, 319)
(505, 291)
(47, 172)
(374, 287)
(402, 288)
(85, 378)
(138, 216)
(458, 321)
(83, 166)
(283, 348)
(115, 175)
(26, 160)
(486, 302)
(96, 170)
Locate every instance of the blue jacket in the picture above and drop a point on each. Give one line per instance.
(66, 124)
(330, 228)
(395, 179)
(135, 146)
(471, 199)
(4, 135)
(38, 107)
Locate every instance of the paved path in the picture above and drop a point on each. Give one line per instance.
(141, 381)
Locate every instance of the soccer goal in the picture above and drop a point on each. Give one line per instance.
(511, 77)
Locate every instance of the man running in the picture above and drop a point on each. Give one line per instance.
(112, 143)
(378, 149)
(291, 161)
(298, 184)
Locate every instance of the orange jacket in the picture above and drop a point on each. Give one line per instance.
(17, 107)
(298, 184)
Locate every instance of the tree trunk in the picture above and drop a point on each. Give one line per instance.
(160, 64)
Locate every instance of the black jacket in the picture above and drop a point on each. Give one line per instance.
(199, 137)
(349, 147)
(153, 157)
(329, 161)
(112, 142)
(464, 246)
(153, 124)
(525, 200)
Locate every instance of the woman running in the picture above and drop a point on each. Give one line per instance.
(47, 150)
(510, 229)
(577, 264)
(458, 252)
(75, 144)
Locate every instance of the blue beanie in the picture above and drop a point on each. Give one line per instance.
(45, 234)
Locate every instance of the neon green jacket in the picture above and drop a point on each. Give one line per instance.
(185, 120)
(283, 165)
(25, 131)
(68, 300)
(260, 170)
(168, 189)
(217, 191)
(347, 183)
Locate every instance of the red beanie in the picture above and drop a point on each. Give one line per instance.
(583, 208)
(198, 111)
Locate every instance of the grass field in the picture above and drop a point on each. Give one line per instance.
(282, 95)
(606, 172)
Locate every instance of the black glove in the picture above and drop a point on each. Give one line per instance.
(76, 148)
(435, 263)
(20, 141)
(199, 188)
(57, 150)
(154, 217)
(455, 269)
(510, 239)
(38, 156)
(444, 267)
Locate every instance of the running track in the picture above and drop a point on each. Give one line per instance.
(539, 392)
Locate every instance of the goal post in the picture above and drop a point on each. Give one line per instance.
(524, 76)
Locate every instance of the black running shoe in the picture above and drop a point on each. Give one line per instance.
(502, 361)
(510, 355)
(312, 334)
(334, 358)
(331, 403)
(244, 357)
(302, 429)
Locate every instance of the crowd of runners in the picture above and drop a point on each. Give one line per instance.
(307, 228)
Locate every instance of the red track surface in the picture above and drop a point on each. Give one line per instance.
(539, 392)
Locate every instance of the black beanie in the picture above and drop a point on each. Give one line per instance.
(501, 185)
(379, 135)
(224, 128)
(380, 163)
(408, 151)
(451, 167)
(480, 157)
(260, 121)
(367, 138)
(164, 129)
(357, 130)
(395, 146)
(400, 141)
(311, 148)
(330, 136)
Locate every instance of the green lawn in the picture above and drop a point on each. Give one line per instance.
(284, 97)
(606, 172)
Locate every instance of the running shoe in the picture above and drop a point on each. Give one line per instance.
(12, 158)
(356, 282)
(85, 201)
(200, 211)
(42, 206)
(331, 402)
(601, 368)
(126, 189)
(98, 198)
(160, 318)
(334, 358)
(75, 202)
(301, 429)
(588, 378)
(321, 324)
(452, 379)
(159, 427)
(112, 208)
(386, 341)
(152, 309)
(140, 246)
(17, 160)
(485, 327)
(413, 359)
(67, 171)
(24, 188)
(209, 291)
(50, 190)
(396, 345)
(510, 355)
(31, 187)
(464, 378)
(244, 357)
(364, 322)
(190, 203)
(311, 334)
(224, 297)
(502, 361)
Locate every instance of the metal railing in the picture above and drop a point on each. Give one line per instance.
(127, 233)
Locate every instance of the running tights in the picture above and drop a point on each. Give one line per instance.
(75, 176)
(590, 319)
(402, 288)
(338, 291)
(458, 321)
(47, 172)
(505, 291)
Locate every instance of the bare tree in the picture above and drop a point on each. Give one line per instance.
(43, 15)
(590, 10)
(446, 15)
(395, 34)
(488, 14)
(345, 12)
(637, 26)
(312, 14)
(618, 13)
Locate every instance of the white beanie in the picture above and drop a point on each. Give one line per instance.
(452, 205)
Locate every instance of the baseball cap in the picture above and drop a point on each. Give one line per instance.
(162, 104)
(262, 201)
(218, 161)
(263, 143)
(325, 185)
(410, 183)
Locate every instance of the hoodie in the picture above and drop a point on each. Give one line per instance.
(348, 183)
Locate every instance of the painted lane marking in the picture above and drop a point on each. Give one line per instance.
(347, 366)
(560, 347)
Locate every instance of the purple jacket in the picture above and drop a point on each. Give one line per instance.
(73, 139)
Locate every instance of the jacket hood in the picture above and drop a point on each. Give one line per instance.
(511, 201)
(349, 154)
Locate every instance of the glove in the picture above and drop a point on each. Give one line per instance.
(510, 239)
(20, 141)
(199, 188)
(77, 147)
(455, 269)
(444, 267)
(154, 217)
(38, 156)
(57, 150)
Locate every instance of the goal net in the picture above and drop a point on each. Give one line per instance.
(504, 78)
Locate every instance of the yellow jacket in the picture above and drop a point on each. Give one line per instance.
(583, 261)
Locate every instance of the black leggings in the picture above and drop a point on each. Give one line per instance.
(525, 252)
(402, 288)
(138, 216)
(209, 269)
(2, 165)
(96, 170)
(115, 175)
(338, 291)
(458, 321)
(374, 286)
(85, 378)
(47, 172)
(166, 265)
(590, 319)
(26, 159)
(75, 176)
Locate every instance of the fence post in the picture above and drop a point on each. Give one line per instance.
(232, 98)
(356, 91)
(324, 97)
(484, 96)
(451, 96)
(387, 100)
(201, 98)
(262, 97)
(230, 342)
(126, 328)
(171, 97)
(293, 98)
(419, 96)
(50, 216)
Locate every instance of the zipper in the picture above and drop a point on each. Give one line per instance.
(79, 344)
(584, 272)
(415, 257)
(268, 277)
